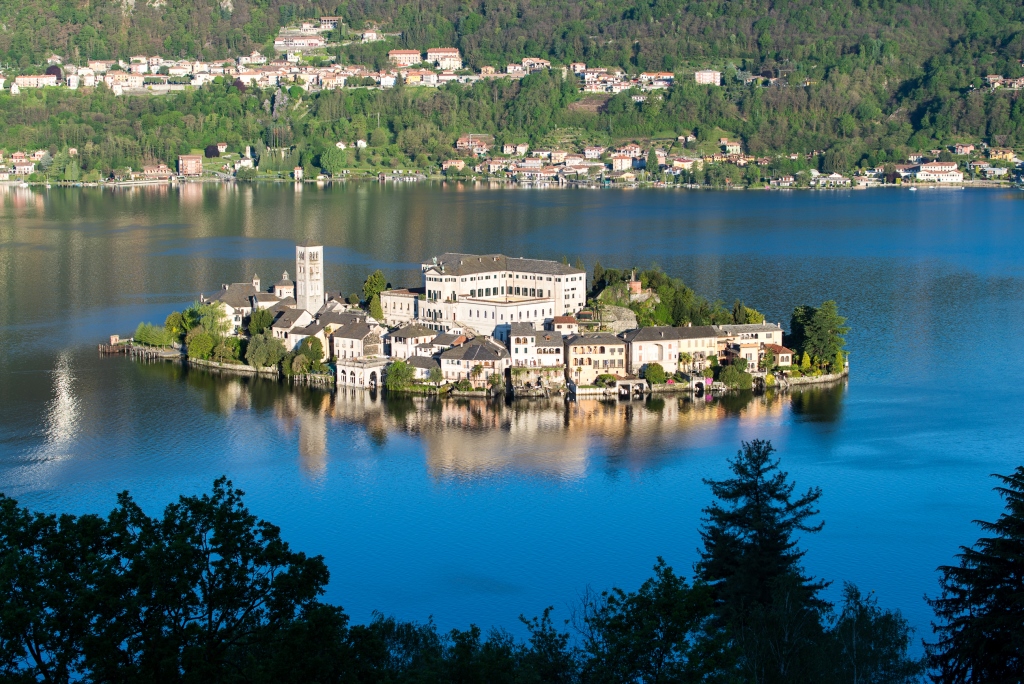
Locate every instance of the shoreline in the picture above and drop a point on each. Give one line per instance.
(530, 185)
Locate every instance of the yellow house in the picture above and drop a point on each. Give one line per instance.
(590, 355)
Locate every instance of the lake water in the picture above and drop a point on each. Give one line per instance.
(472, 512)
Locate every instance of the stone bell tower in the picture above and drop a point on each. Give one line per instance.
(309, 277)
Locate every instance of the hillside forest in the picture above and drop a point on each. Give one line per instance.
(861, 82)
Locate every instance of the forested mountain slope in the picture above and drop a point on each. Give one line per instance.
(868, 80)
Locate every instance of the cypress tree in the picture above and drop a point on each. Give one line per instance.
(981, 607)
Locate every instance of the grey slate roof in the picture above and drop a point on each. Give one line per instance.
(665, 332)
(468, 264)
(424, 362)
(444, 340)
(523, 330)
(739, 329)
(311, 329)
(341, 318)
(236, 295)
(356, 330)
(594, 338)
(288, 318)
(477, 349)
(412, 330)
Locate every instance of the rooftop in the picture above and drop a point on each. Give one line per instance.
(453, 263)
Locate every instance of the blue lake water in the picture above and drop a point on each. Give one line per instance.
(467, 512)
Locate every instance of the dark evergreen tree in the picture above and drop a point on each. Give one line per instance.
(751, 559)
(980, 611)
(798, 323)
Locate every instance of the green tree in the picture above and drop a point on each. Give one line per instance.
(663, 632)
(768, 360)
(313, 349)
(176, 325)
(48, 567)
(259, 321)
(798, 324)
(980, 611)
(398, 375)
(751, 559)
(375, 309)
(333, 160)
(805, 362)
(824, 334)
(190, 587)
(265, 351)
(652, 162)
(739, 313)
(375, 284)
(200, 343)
(436, 377)
(871, 644)
(654, 374)
(153, 335)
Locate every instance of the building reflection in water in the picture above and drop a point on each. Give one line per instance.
(469, 438)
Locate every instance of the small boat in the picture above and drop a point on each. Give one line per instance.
(913, 189)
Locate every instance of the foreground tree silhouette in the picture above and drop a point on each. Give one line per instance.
(663, 632)
(981, 607)
(752, 562)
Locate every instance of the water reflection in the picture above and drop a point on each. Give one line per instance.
(468, 438)
(62, 413)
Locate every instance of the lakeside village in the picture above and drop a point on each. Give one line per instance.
(485, 325)
(302, 65)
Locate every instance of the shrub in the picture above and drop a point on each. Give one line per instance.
(259, 321)
(655, 374)
(735, 378)
(200, 343)
(265, 351)
(494, 380)
(463, 386)
(353, 299)
(398, 375)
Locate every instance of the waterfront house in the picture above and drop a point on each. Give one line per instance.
(357, 340)
(422, 365)
(157, 172)
(783, 356)
(402, 343)
(236, 300)
(939, 172)
(441, 343)
(475, 360)
(190, 165)
(654, 344)
(697, 342)
(592, 354)
(521, 339)
(762, 333)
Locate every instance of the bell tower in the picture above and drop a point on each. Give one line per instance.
(309, 277)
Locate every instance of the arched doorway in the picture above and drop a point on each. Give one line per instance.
(373, 380)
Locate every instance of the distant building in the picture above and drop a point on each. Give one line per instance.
(708, 77)
(190, 165)
(445, 58)
(405, 57)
